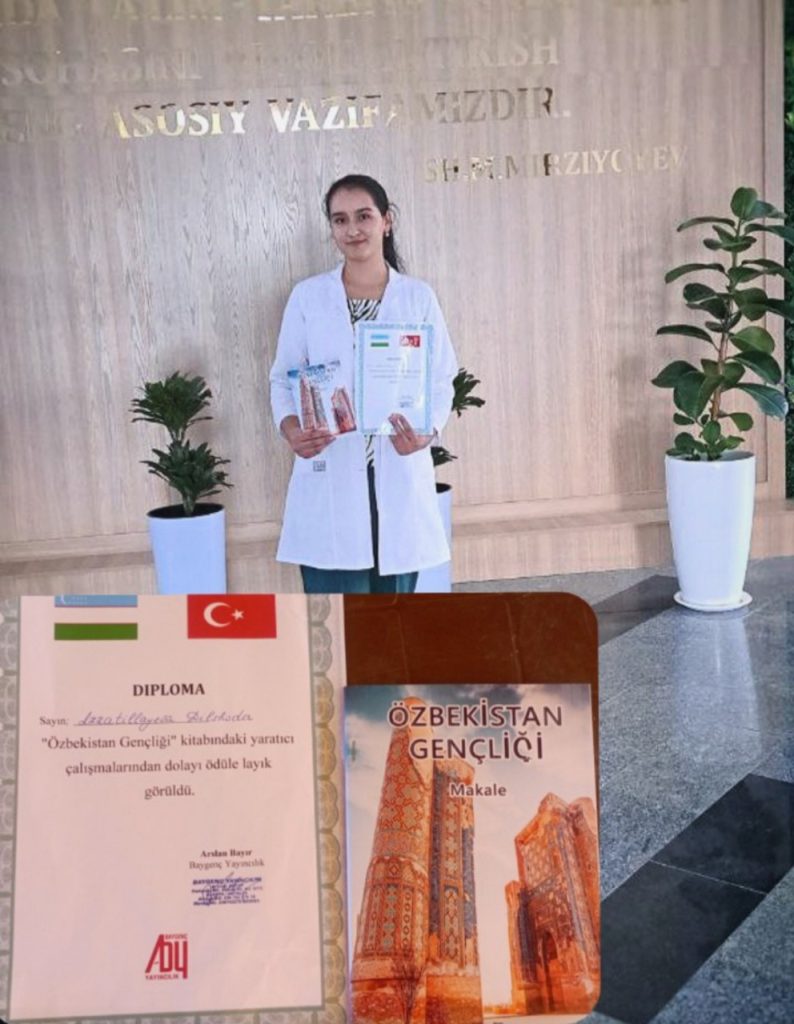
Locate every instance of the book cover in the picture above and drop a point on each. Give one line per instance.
(472, 853)
(321, 398)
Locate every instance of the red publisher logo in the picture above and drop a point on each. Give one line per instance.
(411, 340)
(231, 616)
(168, 959)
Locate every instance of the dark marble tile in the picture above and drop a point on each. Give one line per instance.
(642, 809)
(623, 611)
(657, 929)
(746, 837)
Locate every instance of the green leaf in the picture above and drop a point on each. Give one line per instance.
(762, 209)
(688, 330)
(681, 420)
(741, 420)
(696, 292)
(687, 268)
(463, 385)
(705, 220)
(732, 373)
(733, 442)
(672, 373)
(728, 247)
(751, 302)
(770, 401)
(686, 443)
(441, 456)
(686, 394)
(712, 432)
(771, 267)
(711, 367)
(738, 275)
(753, 312)
(753, 339)
(174, 403)
(762, 364)
(716, 306)
(725, 236)
(707, 389)
(743, 202)
(781, 308)
(775, 229)
(749, 296)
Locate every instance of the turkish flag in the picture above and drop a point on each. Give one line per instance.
(231, 616)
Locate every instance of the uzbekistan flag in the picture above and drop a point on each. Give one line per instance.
(96, 630)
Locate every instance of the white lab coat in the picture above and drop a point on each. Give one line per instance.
(327, 516)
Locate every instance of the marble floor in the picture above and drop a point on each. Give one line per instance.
(697, 798)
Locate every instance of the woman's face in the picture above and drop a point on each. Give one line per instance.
(357, 224)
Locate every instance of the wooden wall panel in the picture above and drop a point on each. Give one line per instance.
(541, 153)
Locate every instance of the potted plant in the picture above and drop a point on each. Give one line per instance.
(710, 483)
(438, 579)
(188, 538)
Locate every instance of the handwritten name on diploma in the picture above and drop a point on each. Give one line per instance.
(142, 721)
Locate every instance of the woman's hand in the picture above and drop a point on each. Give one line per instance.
(305, 443)
(405, 440)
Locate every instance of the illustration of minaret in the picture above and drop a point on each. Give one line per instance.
(343, 411)
(308, 419)
(415, 959)
(319, 412)
(453, 986)
(553, 910)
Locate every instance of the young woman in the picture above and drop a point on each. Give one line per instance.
(361, 514)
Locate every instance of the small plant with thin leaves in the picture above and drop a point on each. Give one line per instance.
(463, 398)
(176, 403)
(736, 348)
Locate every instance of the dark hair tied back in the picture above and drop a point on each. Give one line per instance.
(377, 193)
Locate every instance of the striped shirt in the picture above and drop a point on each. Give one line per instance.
(365, 309)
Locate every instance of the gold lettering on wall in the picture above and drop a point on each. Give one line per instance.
(203, 117)
(467, 106)
(621, 160)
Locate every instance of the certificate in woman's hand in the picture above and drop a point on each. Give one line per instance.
(393, 375)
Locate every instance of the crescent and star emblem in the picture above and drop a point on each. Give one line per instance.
(236, 614)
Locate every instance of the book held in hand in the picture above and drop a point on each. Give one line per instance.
(322, 401)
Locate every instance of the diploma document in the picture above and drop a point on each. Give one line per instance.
(393, 375)
(176, 807)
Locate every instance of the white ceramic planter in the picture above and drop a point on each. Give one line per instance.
(438, 579)
(710, 505)
(189, 552)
